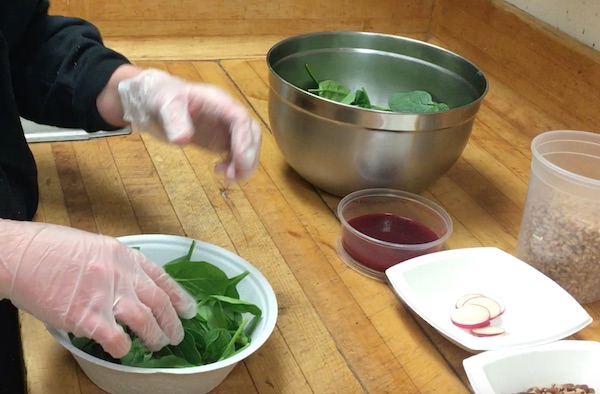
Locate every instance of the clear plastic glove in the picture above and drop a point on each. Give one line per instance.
(83, 282)
(183, 112)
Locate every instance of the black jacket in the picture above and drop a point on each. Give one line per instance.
(52, 69)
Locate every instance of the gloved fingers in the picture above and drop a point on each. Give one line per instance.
(111, 336)
(184, 304)
(159, 303)
(174, 117)
(140, 319)
(227, 169)
(212, 111)
(244, 152)
(245, 147)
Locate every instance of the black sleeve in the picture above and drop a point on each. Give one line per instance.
(59, 67)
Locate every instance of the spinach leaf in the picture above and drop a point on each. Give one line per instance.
(219, 329)
(237, 305)
(232, 286)
(91, 347)
(185, 257)
(187, 350)
(362, 99)
(216, 341)
(229, 350)
(199, 278)
(415, 101)
(138, 354)
(214, 315)
(331, 90)
(335, 91)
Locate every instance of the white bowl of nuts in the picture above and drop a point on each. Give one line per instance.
(562, 367)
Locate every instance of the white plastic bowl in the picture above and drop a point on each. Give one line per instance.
(254, 288)
(515, 371)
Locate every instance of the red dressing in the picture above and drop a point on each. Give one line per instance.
(392, 228)
(389, 228)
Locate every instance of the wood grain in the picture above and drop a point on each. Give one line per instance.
(547, 69)
(324, 233)
(157, 18)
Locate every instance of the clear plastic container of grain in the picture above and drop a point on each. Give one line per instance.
(560, 227)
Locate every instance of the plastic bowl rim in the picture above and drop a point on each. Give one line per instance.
(550, 136)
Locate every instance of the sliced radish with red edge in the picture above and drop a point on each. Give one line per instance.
(475, 312)
(462, 299)
(471, 316)
(489, 331)
(491, 305)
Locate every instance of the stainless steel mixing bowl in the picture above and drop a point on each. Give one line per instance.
(342, 148)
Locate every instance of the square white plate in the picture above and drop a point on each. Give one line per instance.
(514, 371)
(538, 310)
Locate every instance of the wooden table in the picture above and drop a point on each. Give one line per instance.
(338, 331)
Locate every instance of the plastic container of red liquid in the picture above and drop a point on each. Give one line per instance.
(383, 227)
(560, 227)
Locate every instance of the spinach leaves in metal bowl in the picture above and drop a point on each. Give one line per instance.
(416, 101)
(218, 331)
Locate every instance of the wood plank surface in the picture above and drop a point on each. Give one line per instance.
(337, 331)
(549, 73)
(159, 18)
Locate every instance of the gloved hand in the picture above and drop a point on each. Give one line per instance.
(83, 282)
(183, 112)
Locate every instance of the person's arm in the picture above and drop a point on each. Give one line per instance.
(86, 283)
(65, 76)
(60, 66)
(108, 102)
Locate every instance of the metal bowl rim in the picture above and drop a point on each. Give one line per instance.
(317, 99)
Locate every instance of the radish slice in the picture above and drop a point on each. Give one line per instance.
(462, 299)
(471, 316)
(489, 331)
(502, 306)
(491, 305)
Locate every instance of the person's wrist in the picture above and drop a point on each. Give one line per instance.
(108, 101)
